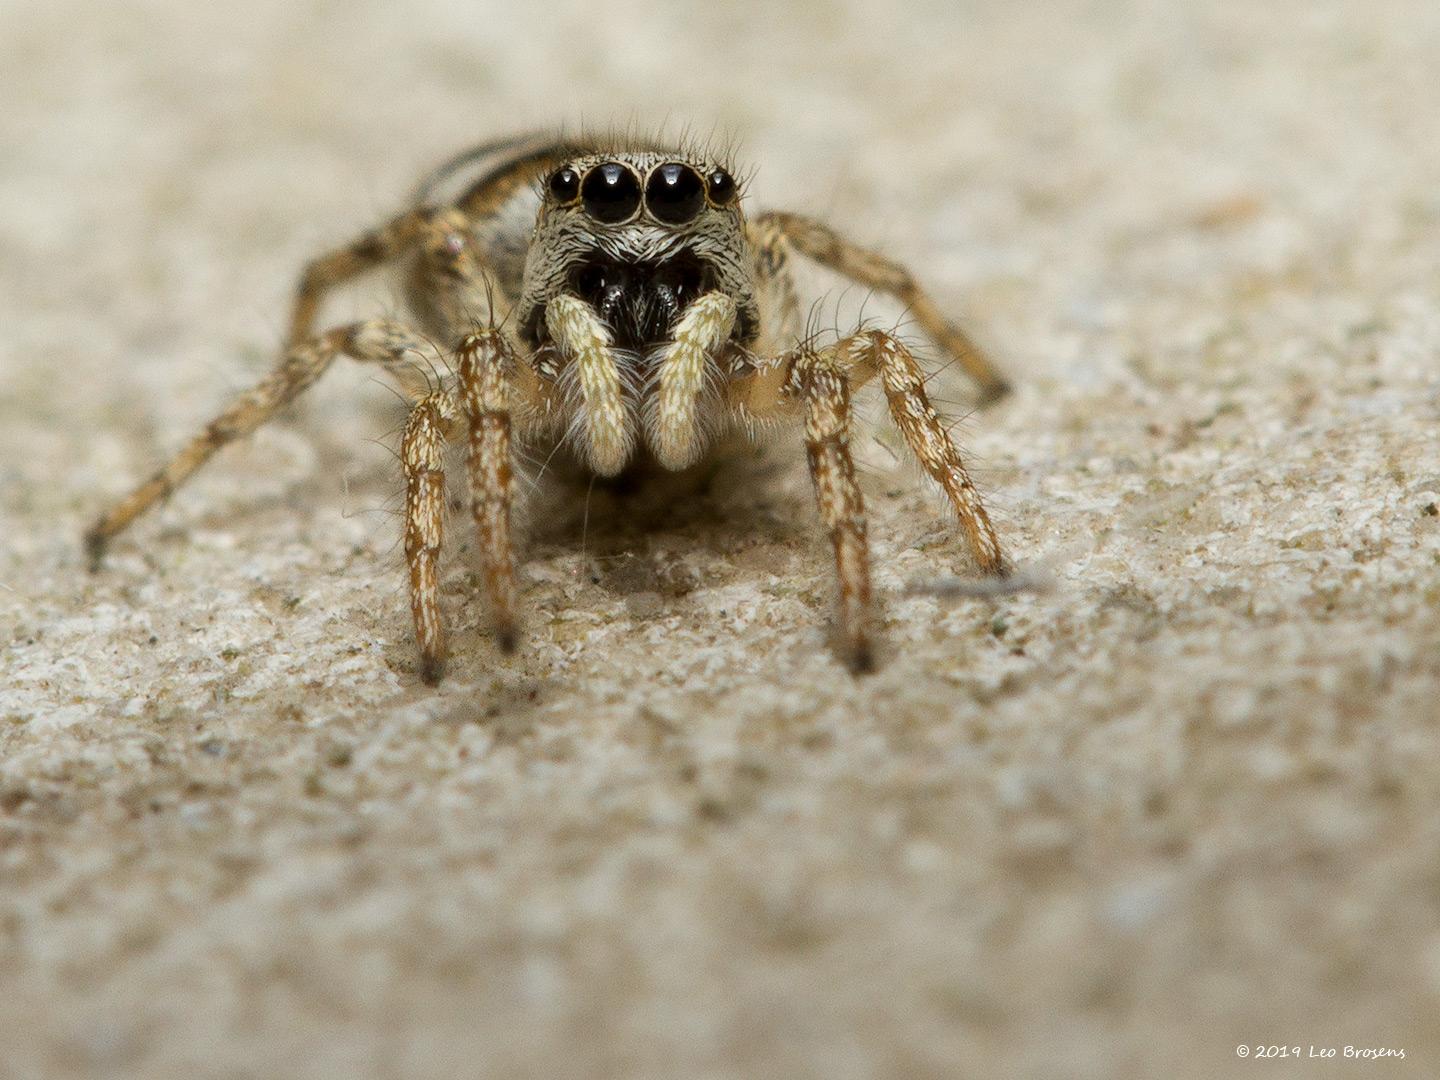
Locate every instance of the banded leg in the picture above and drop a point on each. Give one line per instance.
(825, 392)
(365, 252)
(487, 362)
(422, 455)
(827, 247)
(873, 352)
(376, 341)
(698, 335)
(822, 383)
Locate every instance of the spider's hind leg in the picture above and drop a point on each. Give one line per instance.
(377, 341)
(366, 252)
(488, 365)
(827, 247)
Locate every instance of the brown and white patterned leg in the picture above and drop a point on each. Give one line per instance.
(824, 390)
(375, 341)
(827, 247)
(874, 352)
(487, 364)
(422, 455)
(821, 383)
(365, 252)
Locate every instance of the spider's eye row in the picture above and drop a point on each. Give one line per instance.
(674, 193)
(611, 192)
(565, 184)
(721, 186)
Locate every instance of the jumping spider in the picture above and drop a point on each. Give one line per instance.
(612, 296)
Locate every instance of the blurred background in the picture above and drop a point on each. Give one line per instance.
(1184, 800)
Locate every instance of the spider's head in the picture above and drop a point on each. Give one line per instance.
(638, 235)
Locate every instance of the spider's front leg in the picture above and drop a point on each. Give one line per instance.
(820, 383)
(493, 384)
(422, 456)
(488, 365)
(823, 389)
(817, 385)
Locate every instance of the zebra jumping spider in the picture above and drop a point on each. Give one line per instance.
(612, 296)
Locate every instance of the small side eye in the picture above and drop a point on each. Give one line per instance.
(721, 186)
(565, 184)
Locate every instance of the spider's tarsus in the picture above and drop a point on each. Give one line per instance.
(992, 392)
(432, 669)
(859, 657)
(95, 543)
(857, 651)
(507, 639)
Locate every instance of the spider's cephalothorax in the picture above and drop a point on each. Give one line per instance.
(652, 245)
(612, 295)
(638, 236)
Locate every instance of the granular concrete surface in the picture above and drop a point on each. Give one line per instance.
(1184, 798)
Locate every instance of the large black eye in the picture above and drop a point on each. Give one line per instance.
(611, 192)
(722, 187)
(565, 184)
(674, 193)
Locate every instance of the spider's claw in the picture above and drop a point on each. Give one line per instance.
(993, 390)
(860, 657)
(432, 669)
(855, 647)
(507, 638)
(95, 543)
(999, 569)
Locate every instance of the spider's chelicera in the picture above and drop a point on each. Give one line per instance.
(614, 296)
